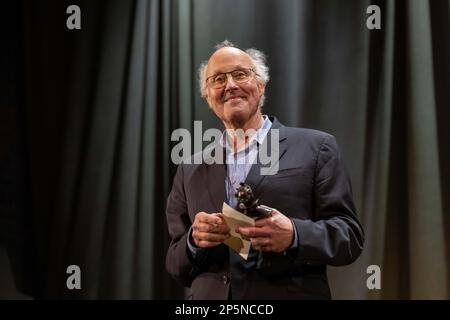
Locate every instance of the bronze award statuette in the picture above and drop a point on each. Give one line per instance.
(248, 205)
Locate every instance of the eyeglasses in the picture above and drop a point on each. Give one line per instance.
(239, 76)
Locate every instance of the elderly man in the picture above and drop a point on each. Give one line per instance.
(313, 222)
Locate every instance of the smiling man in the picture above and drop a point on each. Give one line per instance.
(233, 89)
(313, 222)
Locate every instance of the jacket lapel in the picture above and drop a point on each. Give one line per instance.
(216, 173)
(216, 184)
(254, 177)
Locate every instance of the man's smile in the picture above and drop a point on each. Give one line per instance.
(234, 98)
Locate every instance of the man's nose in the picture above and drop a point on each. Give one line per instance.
(231, 84)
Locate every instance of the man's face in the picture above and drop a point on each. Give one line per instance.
(235, 103)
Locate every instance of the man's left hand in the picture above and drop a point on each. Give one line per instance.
(274, 233)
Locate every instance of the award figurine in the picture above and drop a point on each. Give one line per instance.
(248, 205)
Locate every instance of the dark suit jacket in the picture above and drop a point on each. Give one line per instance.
(311, 187)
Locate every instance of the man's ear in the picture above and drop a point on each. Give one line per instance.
(261, 88)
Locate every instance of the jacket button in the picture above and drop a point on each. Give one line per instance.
(225, 279)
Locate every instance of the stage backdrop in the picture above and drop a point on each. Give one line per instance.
(93, 110)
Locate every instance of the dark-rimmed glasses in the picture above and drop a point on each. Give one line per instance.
(219, 80)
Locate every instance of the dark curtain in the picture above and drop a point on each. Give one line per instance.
(99, 107)
(96, 107)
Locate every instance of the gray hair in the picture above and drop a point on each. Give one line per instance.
(259, 61)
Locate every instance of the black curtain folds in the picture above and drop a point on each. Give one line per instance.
(92, 112)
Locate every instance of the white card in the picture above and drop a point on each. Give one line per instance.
(234, 219)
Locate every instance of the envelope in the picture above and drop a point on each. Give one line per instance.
(234, 219)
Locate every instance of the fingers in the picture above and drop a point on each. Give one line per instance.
(260, 238)
(210, 218)
(261, 244)
(272, 233)
(272, 219)
(253, 232)
(210, 223)
(209, 230)
(264, 227)
(206, 244)
(207, 236)
(206, 239)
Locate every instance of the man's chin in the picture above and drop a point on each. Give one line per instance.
(239, 108)
(238, 116)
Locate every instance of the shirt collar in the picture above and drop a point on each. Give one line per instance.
(259, 136)
(261, 133)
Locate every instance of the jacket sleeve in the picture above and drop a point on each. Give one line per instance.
(334, 236)
(180, 263)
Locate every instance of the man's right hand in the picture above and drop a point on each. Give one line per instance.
(209, 230)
